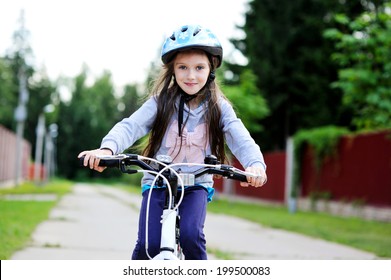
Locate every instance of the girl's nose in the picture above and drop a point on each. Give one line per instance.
(191, 74)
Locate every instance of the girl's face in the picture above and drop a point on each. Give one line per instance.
(191, 71)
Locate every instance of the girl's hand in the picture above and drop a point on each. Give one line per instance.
(257, 181)
(91, 160)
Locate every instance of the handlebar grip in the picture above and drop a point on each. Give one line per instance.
(238, 177)
(111, 163)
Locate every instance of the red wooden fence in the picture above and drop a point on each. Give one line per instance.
(360, 172)
(8, 156)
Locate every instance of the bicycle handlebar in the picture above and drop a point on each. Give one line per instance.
(211, 166)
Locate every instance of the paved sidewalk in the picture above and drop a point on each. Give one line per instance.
(100, 223)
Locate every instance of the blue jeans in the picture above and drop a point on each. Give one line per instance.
(192, 219)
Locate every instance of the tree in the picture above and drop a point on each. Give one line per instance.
(41, 91)
(8, 99)
(19, 58)
(130, 101)
(85, 120)
(363, 53)
(287, 52)
(248, 101)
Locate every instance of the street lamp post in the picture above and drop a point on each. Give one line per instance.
(50, 157)
(39, 143)
(53, 131)
(20, 117)
(38, 147)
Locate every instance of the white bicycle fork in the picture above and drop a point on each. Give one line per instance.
(168, 246)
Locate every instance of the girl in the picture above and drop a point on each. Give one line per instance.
(188, 117)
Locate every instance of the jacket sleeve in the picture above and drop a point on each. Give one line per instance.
(126, 132)
(238, 138)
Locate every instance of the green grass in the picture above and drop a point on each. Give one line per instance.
(18, 219)
(57, 186)
(220, 255)
(371, 236)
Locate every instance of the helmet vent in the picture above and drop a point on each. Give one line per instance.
(173, 37)
(196, 31)
(184, 28)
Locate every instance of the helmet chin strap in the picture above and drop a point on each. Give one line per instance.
(185, 98)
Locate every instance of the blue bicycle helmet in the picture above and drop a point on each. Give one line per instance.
(191, 37)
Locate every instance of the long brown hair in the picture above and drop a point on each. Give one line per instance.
(167, 91)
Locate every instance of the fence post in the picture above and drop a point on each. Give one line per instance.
(290, 201)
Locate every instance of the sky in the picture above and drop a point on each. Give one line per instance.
(122, 36)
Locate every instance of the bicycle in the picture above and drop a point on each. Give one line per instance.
(170, 247)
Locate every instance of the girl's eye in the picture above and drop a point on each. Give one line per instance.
(200, 67)
(183, 67)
